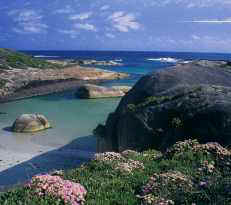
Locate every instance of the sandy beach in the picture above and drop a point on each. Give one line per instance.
(18, 164)
(66, 145)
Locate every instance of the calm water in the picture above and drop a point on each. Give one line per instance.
(73, 118)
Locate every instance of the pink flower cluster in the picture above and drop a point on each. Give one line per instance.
(55, 186)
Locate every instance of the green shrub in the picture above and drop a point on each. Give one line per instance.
(13, 59)
(188, 173)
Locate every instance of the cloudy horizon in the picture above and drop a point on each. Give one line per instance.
(147, 25)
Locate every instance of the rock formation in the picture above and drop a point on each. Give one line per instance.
(89, 91)
(30, 123)
(186, 101)
(25, 76)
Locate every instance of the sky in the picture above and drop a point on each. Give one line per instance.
(142, 25)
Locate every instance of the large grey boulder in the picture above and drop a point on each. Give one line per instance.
(89, 91)
(30, 123)
(181, 102)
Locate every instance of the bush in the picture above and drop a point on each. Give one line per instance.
(188, 173)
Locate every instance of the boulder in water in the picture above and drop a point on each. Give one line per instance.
(30, 123)
(89, 91)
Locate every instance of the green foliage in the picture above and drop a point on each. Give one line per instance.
(188, 173)
(3, 83)
(176, 123)
(13, 59)
(22, 196)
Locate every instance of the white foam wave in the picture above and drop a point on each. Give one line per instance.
(118, 60)
(42, 56)
(164, 60)
(185, 62)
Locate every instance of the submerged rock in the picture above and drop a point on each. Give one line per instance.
(30, 123)
(182, 102)
(93, 91)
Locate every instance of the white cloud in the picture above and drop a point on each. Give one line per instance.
(71, 33)
(82, 16)
(110, 35)
(194, 42)
(214, 21)
(75, 30)
(190, 3)
(28, 15)
(31, 28)
(28, 21)
(68, 9)
(85, 26)
(196, 37)
(105, 7)
(124, 22)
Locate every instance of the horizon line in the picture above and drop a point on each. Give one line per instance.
(126, 51)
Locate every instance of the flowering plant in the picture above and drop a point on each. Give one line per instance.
(70, 192)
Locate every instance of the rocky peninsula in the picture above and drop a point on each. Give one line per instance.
(25, 76)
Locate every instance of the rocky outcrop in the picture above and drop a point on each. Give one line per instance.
(124, 89)
(186, 101)
(20, 72)
(101, 63)
(19, 83)
(86, 62)
(30, 123)
(89, 91)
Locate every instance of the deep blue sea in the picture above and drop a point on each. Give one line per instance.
(73, 120)
(135, 63)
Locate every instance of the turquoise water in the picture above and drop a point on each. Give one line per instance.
(70, 117)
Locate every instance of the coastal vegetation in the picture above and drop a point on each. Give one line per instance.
(13, 59)
(187, 173)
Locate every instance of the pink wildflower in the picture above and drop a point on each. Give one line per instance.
(55, 186)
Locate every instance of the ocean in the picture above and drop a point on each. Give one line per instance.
(73, 120)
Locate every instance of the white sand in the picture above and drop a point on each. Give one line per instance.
(20, 164)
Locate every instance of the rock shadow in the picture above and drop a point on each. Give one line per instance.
(67, 157)
(7, 129)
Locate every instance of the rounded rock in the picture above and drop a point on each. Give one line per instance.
(30, 123)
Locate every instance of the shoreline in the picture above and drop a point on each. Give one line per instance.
(17, 167)
(48, 89)
(44, 82)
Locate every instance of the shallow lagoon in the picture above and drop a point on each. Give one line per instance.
(70, 117)
(69, 143)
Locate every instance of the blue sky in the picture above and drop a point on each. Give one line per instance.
(149, 25)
